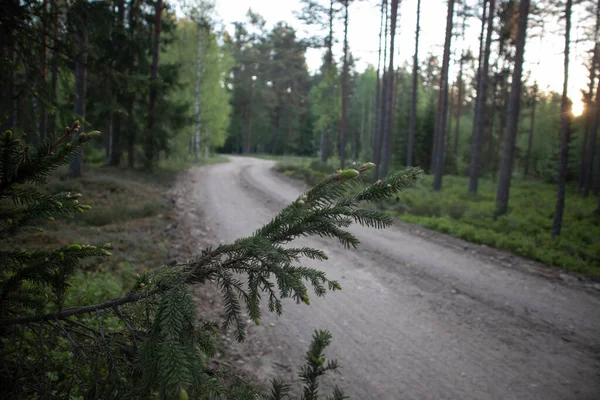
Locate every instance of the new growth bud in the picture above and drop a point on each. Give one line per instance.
(348, 174)
(367, 166)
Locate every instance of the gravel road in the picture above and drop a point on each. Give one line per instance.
(421, 315)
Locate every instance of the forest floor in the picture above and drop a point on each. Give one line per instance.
(421, 314)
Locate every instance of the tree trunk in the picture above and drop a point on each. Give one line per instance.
(438, 149)
(513, 111)
(248, 141)
(389, 96)
(324, 144)
(115, 143)
(81, 43)
(328, 67)
(43, 72)
(459, 102)
(480, 58)
(531, 130)
(378, 85)
(150, 136)
(345, 90)
(51, 124)
(589, 122)
(378, 136)
(565, 128)
(198, 123)
(363, 118)
(480, 104)
(591, 148)
(108, 135)
(413, 102)
(449, 115)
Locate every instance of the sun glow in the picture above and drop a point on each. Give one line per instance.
(577, 108)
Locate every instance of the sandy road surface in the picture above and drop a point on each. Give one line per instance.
(420, 316)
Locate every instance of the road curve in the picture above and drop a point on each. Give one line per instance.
(419, 317)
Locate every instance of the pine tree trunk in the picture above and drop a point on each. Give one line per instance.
(7, 52)
(531, 130)
(481, 100)
(449, 117)
(377, 143)
(150, 135)
(43, 115)
(591, 146)
(363, 120)
(378, 85)
(565, 127)
(438, 154)
(108, 135)
(389, 93)
(589, 122)
(248, 141)
(51, 124)
(115, 143)
(81, 43)
(345, 90)
(414, 95)
(594, 113)
(324, 144)
(328, 67)
(480, 59)
(513, 112)
(198, 123)
(459, 102)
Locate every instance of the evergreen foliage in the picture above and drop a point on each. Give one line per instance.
(151, 343)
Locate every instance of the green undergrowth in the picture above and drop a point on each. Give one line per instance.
(524, 231)
(130, 210)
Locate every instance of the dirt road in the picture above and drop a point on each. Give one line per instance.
(420, 316)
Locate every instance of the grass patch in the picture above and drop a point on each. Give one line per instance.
(524, 231)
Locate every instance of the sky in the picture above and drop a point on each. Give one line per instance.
(544, 58)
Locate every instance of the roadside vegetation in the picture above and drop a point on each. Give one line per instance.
(524, 230)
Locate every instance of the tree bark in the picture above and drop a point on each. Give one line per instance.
(115, 143)
(513, 111)
(150, 136)
(81, 44)
(378, 136)
(54, 10)
(412, 127)
(591, 147)
(248, 141)
(459, 102)
(531, 130)
(345, 90)
(565, 127)
(480, 103)
(198, 123)
(43, 72)
(389, 99)
(589, 122)
(328, 67)
(438, 148)
(378, 85)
